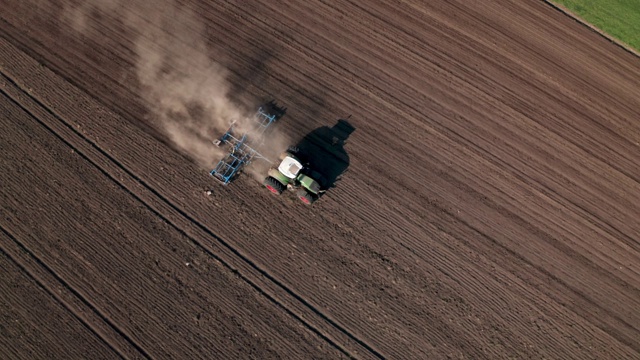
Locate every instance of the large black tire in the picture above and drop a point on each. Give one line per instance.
(273, 185)
(306, 197)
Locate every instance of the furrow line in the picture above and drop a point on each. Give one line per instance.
(29, 46)
(46, 278)
(451, 133)
(339, 68)
(258, 278)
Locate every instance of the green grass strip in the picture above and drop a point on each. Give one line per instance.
(618, 18)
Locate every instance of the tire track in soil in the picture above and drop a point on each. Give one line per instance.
(459, 136)
(556, 243)
(37, 50)
(248, 266)
(68, 297)
(507, 245)
(576, 207)
(158, 300)
(61, 60)
(100, 101)
(584, 212)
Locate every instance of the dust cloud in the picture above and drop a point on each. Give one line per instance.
(186, 89)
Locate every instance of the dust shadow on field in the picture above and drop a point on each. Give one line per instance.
(272, 108)
(323, 150)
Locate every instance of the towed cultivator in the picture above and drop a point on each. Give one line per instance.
(292, 173)
(242, 147)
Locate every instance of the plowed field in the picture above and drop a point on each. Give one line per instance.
(486, 201)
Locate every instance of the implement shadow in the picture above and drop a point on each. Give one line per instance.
(271, 107)
(323, 150)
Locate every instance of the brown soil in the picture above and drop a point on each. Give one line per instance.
(490, 209)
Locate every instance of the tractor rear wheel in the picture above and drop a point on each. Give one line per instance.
(306, 197)
(273, 185)
(291, 151)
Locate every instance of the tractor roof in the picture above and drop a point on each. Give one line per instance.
(290, 167)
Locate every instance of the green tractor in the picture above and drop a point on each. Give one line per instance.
(291, 174)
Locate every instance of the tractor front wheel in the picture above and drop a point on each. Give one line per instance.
(273, 185)
(306, 197)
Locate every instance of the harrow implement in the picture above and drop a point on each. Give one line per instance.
(242, 149)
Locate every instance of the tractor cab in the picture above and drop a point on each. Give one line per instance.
(290, 167)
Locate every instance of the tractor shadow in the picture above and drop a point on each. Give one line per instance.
(323, 149)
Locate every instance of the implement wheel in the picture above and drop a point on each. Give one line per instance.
(306, 197)
(273, 185)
